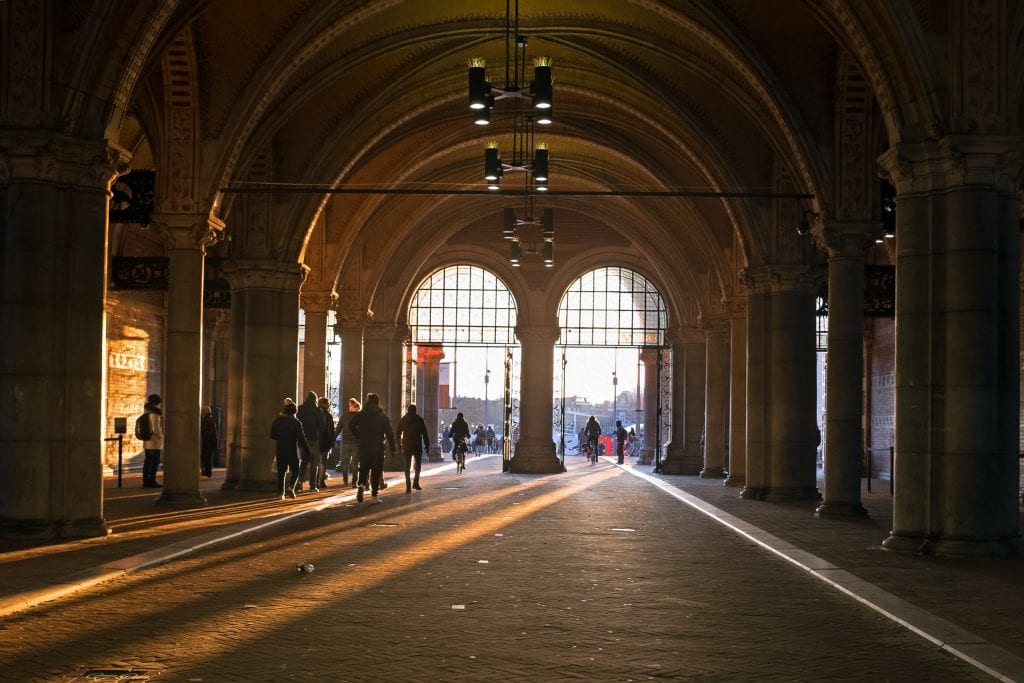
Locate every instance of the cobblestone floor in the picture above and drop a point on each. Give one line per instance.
(591, 575)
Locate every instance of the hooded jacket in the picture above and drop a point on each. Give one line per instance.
(371, 426)
(312, 419)
(286, 430)
(412, 433)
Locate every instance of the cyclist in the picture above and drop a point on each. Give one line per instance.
(460, 437)
(593, 432)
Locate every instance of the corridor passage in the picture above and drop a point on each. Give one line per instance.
(592, 575)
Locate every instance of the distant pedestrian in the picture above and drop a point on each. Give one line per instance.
(287, 431)
(326, 438)
(153, 446)
(621, 435)
(593, 431)
(349, 463)
(207, 441)
(372, 426)
(312, 420)
(412, 430)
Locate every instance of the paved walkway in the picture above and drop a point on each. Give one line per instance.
(603, 573)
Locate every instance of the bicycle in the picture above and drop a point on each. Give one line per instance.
(460, 456)
(590, 449)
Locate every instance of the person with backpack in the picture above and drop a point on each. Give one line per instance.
(287, 431)
(372, 427)
(149, 429)
(593, 432)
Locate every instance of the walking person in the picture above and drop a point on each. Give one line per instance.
(207, 441)
(287, 431)
(153, 442)
(349, 463)
(620, 440)
(593, 431)
(372, 427)
(326, 438)
(412, 430)
(312, 420)
(460, 441)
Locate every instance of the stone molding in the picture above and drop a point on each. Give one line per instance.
(353, 318)
(538, 334)
(955, 160)
(735, 307)
(273, 275)
(712, 324)
(53, 158)
(380, 331)
(779, 278)
(188, 232)
(318, 301)
(678, 336)
(845, 239)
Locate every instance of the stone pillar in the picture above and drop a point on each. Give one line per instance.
(649, 357)
(781, 434)
(737, 394)
(396, 363)
(428, 358)
(716, 396)
(352, 323)
(844, 401)
(186, 237)
(236, 384)
(314, 349)
(957, 398)
(266, 294)
(53, 251)
(685, 455)
(535, 449)
(378, 338)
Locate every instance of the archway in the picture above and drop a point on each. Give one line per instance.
(603, 313)
(462, 320)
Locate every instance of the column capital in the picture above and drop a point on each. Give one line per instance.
(46, 156)
(353, 318)
(954, 160)
(735, 306)
(188, 231)
(317, 301)
(538, 334)
(380, 331)
(678, 336)
(713, 323)
(429, 353)
(779, 278)
(259, 274)
(845, 239)
(650, 354)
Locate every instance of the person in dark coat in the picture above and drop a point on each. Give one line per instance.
(372, 426)
(312, 420)
(621, 435)
(207, 441)
(326, 438)
(411, 432)
(459, 431)
(287, 432)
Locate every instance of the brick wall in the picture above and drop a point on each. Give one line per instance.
(135, 351)
(882, 397)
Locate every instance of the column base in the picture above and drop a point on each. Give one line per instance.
(735, 480)
(180, 499)
(713, 473)
(841, 510)
(92, 527)
(535, 458)
(229, 485)
(679, 461)
(777, 493)
(646, 457)
(435, 454)
(752, 492)
(1009, 547)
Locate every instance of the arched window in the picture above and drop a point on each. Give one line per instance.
(463, 305)
(612, 307)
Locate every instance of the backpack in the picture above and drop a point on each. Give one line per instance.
(143, 429)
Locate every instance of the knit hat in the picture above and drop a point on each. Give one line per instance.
(153, 399)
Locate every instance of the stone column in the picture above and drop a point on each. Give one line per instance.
(394, 462)
(737, 393)
(844, 401)
(186, 237)
(315, 304)
(781, 435)
(685, 455)
(267, 296)
(716, 396)
(428, 358)
(53, 251)
(758, 394)
(535, 449)
(352, 323)
(957, 398)
(236, 384)
(378, 338)
(649, 357)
